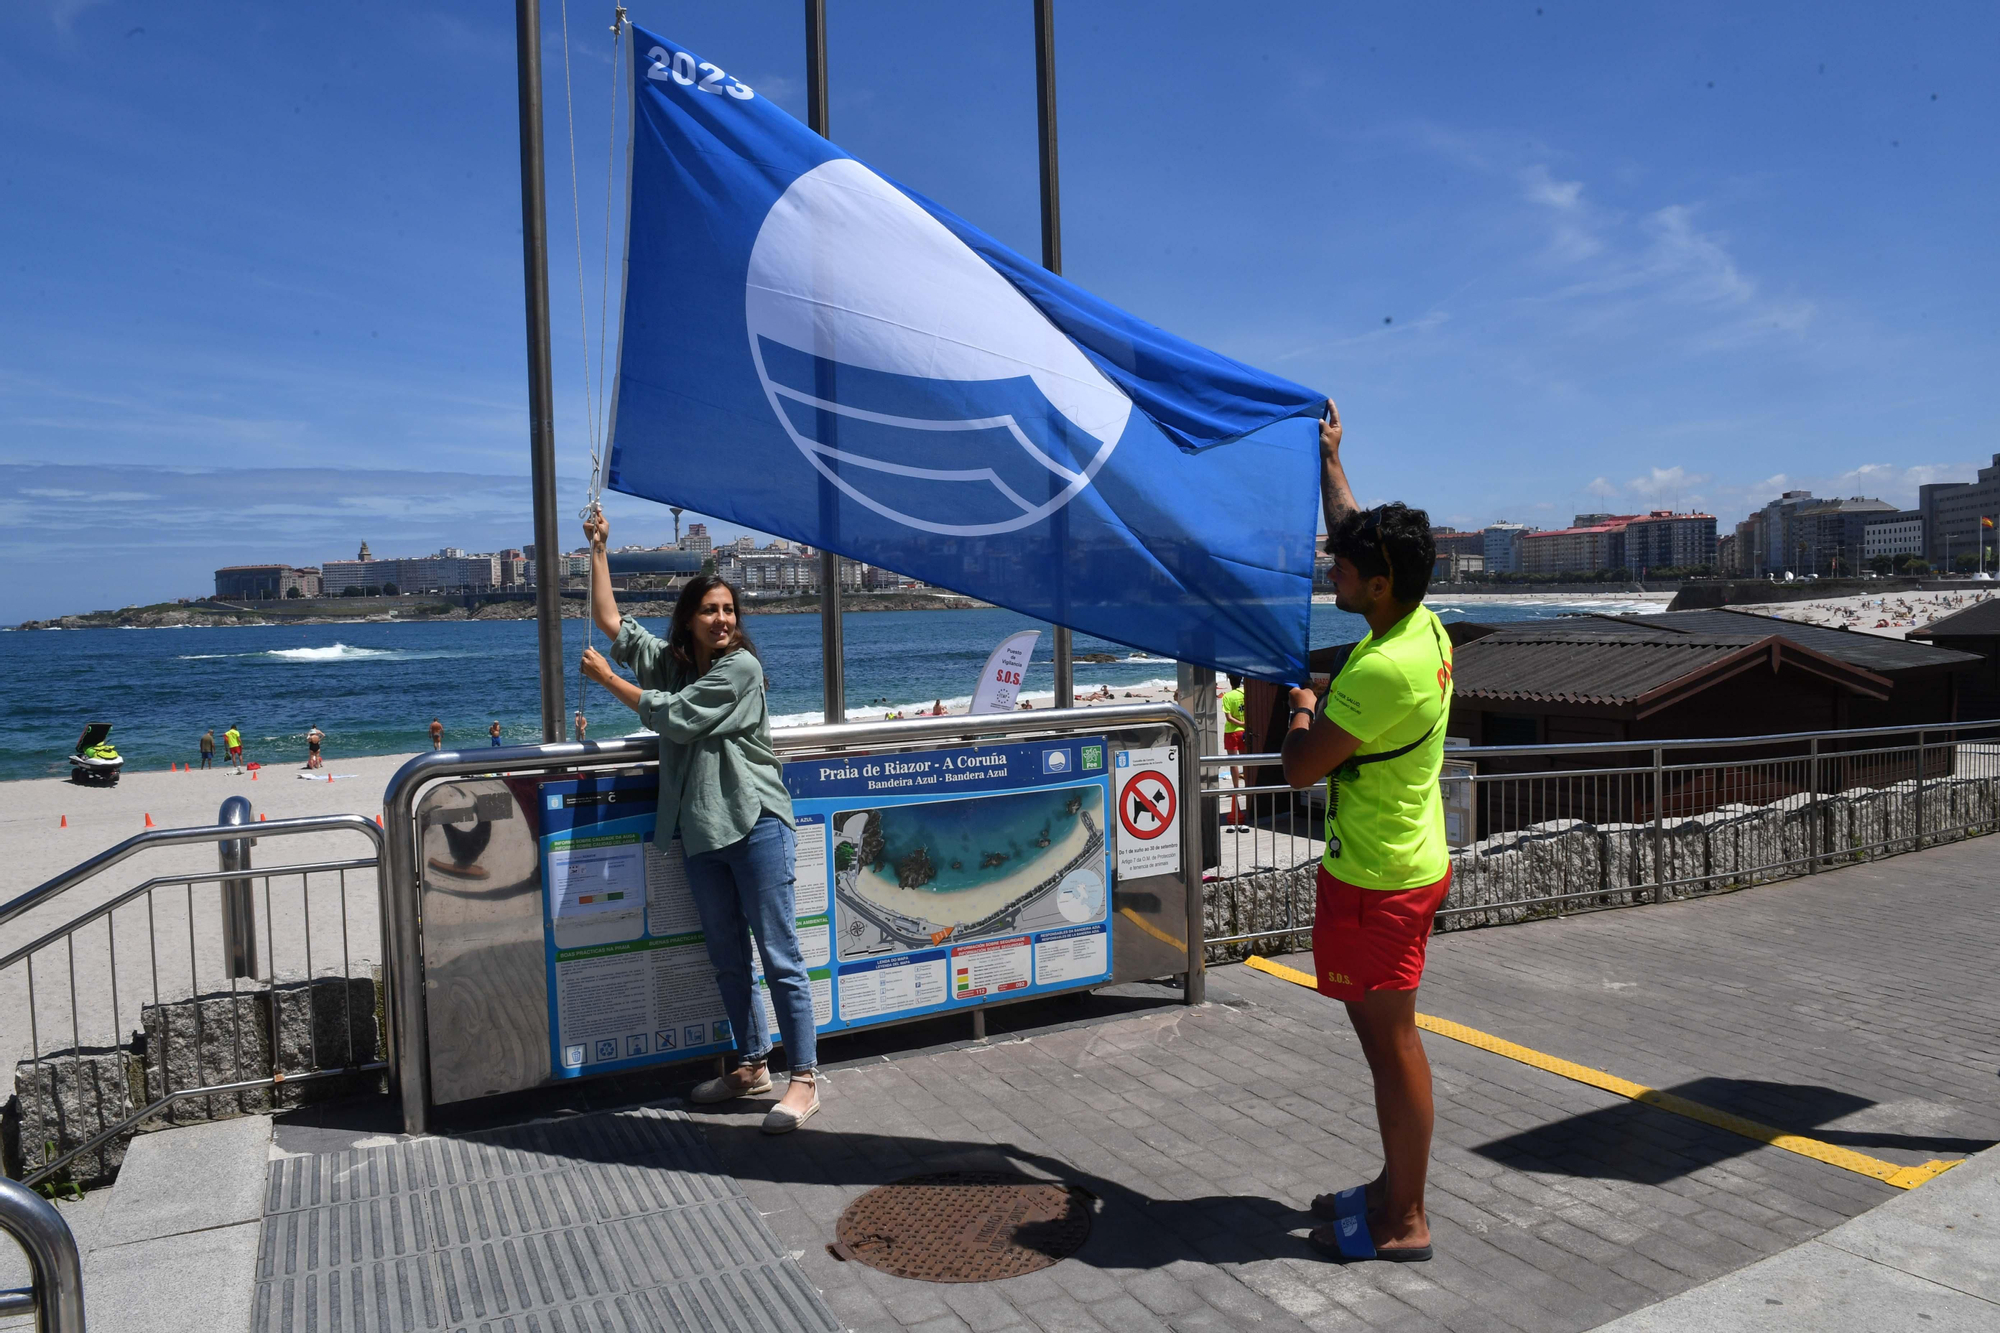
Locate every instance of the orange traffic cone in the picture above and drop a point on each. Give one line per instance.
(149, 821)
(65, 820)
(253, 775)
(260, 819)
(378, 822)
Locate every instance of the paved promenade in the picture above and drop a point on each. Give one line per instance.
(1856, 1007)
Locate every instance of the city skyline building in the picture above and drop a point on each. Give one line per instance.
(1796, 531)
(1900, 533)
(1951, 511)
(1594, 543)
(442, 572)
(1501, 545)
(266, 582)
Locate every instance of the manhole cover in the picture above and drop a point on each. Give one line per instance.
(964, 1226)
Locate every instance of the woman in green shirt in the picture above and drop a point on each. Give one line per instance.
(702, 689)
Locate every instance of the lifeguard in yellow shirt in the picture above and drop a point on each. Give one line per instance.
(1377, 741)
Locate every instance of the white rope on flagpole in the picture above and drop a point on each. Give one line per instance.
(593, 396)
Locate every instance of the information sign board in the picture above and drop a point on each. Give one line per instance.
(925, 881)
(1148, 827)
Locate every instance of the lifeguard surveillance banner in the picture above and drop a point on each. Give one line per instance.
(812, 350)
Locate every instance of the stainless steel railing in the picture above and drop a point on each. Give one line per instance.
(175, 976)
(1548, 828)
(56, 1298)
(405, 1019)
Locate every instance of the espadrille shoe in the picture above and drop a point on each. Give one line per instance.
(728, 1089)
(782, 1121)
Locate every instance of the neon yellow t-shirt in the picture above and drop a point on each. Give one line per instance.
(1232, 711)
(231, 739)
(1385, 818)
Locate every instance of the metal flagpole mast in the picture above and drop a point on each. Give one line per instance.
(832, 644)
(541, 393)
(1045, 125)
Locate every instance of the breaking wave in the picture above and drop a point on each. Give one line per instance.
(338, 652)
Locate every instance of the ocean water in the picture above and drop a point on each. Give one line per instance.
(374, 688)
(961, 837)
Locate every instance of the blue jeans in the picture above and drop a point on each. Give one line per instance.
(746, 887)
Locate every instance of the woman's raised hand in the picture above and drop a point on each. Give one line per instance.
(597, 530)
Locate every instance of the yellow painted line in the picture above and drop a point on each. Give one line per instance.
(1159, 934)
(1902, 1177)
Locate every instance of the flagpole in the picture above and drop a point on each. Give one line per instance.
(832, 642)
(1045, 125)
(541, 394)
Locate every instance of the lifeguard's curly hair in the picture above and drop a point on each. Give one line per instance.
(1390, 541)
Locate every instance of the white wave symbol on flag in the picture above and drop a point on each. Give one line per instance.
(909, 373)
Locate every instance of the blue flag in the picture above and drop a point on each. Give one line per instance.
(812, 350)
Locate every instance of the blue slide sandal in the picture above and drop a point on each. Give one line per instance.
(1347, 1240)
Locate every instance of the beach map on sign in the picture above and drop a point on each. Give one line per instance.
(907, 875)
(961, 875)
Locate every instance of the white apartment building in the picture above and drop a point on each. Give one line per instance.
(1899, 534)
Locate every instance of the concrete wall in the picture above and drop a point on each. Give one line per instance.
(67, 1098)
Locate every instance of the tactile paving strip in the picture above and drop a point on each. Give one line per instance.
(587, 1225)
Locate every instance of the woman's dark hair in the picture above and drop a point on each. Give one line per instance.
(680, 637)
(1391, 541)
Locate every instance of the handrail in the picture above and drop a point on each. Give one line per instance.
(51, 1249)
(208, 877)
(179, 837)
(1602, 747)
(404, 1006)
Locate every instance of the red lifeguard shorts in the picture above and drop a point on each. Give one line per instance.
(1232, 742)
(1368, 939)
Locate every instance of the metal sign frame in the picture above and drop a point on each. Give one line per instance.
(406, 1015)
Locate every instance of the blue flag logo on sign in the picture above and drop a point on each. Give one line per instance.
(811, 350)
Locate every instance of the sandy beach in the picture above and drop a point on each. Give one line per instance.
(1147, 692)
(38, 847)
(965, 906)
(1891, 615)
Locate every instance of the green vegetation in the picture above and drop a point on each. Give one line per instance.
(1905, 565)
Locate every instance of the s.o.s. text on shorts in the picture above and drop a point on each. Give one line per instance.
(1371, 939)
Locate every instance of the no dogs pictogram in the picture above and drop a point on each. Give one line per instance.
(1146, 805)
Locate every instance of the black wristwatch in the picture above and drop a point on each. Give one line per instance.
(1295, 712)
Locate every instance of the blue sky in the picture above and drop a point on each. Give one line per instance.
(260, 276)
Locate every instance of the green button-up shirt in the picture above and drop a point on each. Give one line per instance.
(718, 772)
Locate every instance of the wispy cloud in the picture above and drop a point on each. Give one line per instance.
(1574, 229)
(1667, 487)
(1657, 274)
(66, 12)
